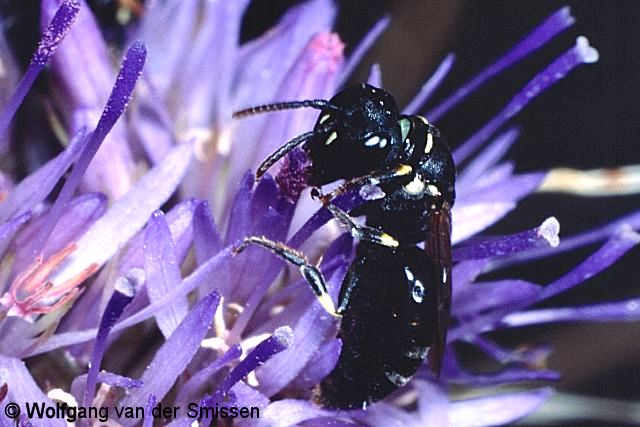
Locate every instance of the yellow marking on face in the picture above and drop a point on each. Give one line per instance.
(324, 118)
(416, 186)
(429, 146)
(332, 137)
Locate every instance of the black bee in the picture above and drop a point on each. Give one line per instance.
(395, 298)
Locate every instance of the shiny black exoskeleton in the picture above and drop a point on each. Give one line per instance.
(389, 327)
(395, 299)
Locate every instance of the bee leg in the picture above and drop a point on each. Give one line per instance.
(348, 284)
(373, 178)
(363, 232)
(310, 272)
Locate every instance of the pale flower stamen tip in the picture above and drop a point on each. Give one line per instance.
(627, 232)
(565, 13)
(588, 53)
(284, 335)
(550, 229)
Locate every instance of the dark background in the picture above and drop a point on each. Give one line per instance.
(590, 119)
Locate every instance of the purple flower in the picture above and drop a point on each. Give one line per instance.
(130, 264)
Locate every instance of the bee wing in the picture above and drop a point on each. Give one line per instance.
(438, 249)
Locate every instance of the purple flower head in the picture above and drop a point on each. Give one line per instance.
(120, 252)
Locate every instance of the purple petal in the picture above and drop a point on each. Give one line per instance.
(328, 422)
(203, 98)
(240, 210)
(530, 356)
(21, 386)
(154, 125)
(84, 313)
(82, 66)
(52, 36)
(322, 216)
(485, 296)
(188, 284)
(249, 396)
(172, 358)
(320, 365)
(148, 415)
(198, 381)
(35, 188)
(471, 219)
(166, 48)
(454, 374)
(487, 158)
(180, 219)
(206, 239)
(279, 341)
(385, 414)
(128, 215)
(507, 377)
(622, 311)
(498, 409)
(130, 70)
(265, 62)
(9, 229)
(602, 259)
(84, 75)
(578, 240)
(313, 75)
(118, 380)
(82, 212)
(289, 412)
(163, 272)
(311, 330)
(79, 384)
(122, 296)
(617, 246)
(513, 189)
(375, 75)
(552, 26)
(581, 53)
(251, 284)
(544, 235)
(430, 85)
(478, 209)
(465, 273)
(363, 47)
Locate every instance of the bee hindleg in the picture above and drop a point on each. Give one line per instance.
(310, 272)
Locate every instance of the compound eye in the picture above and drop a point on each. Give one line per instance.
(376, 141)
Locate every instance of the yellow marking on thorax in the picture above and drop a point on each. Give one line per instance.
(429, 146)
(332, 137)
(433, 190)
(416, 186)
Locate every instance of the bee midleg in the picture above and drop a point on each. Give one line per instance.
(363, 232)
(349, 282)
(310, 272)
(374, 178)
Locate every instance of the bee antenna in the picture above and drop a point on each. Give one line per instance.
(310, 103)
